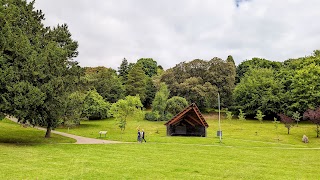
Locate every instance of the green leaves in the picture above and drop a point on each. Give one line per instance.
(305, 87)
(106, 82)
(200, 81)
(159, 103)
(176, 104)
(136, 84)
(149, 66)
(94, 106)
(123, 108)
(241, 115)
(258, 89)
(259, 116)
(37, 71)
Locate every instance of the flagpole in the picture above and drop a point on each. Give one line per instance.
(219, 118)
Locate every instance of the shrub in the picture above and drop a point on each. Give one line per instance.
(95, 107)
(150, 116)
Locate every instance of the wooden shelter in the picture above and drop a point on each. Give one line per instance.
(188, 122)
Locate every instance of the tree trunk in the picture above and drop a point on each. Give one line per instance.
(48, 133)
(288, 130)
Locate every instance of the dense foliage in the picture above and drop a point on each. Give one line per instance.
(258, 90)
(200, 81)
(136, 83)
(314, 116)
(94, 106)
(124, 108)
(274, 87)
(36, 67)
(176, 104)
(106, 82)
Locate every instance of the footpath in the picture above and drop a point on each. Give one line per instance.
(79, 139)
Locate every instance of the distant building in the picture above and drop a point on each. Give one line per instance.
(188, 122)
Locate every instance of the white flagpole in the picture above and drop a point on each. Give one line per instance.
(219, 117)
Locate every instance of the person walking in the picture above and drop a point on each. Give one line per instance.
(142, 135)
(139, 136)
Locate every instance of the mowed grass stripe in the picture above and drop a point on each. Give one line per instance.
(155, 161)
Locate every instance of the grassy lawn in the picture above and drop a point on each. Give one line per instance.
(155, 161)
(235, 133)
(244, 154)
(11, 132)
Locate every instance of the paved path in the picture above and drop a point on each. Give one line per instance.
(79, 139)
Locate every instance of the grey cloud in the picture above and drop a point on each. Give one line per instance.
(182, 30)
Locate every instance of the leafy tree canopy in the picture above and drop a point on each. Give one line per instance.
(199, 81)
(149, 66)
(258, 90)
(94, 106)
(159, 103)
(37, 71)
(176, 104)
(106, 82)
(255, 63)
(136, 84)
(123, 108)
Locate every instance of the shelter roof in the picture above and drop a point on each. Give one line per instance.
(191, 115)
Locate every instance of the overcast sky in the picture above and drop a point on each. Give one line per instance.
(172, 31)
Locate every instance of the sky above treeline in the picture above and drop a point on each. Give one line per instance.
(172, 31)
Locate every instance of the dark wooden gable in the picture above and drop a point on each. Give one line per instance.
(187, 122)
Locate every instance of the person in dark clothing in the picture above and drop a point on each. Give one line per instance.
(139, 136)
(142, 136)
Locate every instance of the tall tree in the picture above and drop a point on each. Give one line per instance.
(222, 74)
(159, 103)
(258, 90)
(150, 92)
(199, 81)
(255, 63)
(123, 70)
(36, 65)
(305, 89)
(136, 84)
(106, 82)
(149, 66)
(230, 60)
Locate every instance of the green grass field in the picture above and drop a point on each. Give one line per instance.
(11, 132)
(243, 153)
(235, 133)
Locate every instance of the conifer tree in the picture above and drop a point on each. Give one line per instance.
(136, 83)
(123, 70)
(36, 66)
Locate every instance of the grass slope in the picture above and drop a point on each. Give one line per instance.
(235, 133)
(244, 154)
(11, 132)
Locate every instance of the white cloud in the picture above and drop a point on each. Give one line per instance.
(182, 30)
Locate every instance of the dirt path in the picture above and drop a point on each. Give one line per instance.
(79, 139)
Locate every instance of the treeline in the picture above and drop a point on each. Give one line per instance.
(278, 87)
(254, 85)
(257, 84)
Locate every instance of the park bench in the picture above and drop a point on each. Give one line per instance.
(103, 132)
